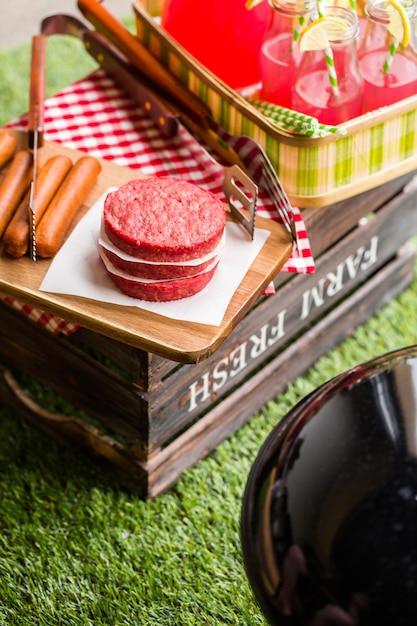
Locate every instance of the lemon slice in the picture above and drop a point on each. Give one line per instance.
(318, 34)
(399, 23)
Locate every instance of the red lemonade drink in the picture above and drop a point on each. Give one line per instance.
(384, 88)
(387, 58)
(313, 94)
(279, 60)
(328, 84)
(280, 54)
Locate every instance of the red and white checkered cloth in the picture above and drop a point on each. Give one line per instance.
(94, 115)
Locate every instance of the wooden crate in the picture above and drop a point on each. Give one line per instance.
(151, 417)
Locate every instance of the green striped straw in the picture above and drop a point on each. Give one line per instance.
(395, 43)
(286, 118)
(323, 130)
(294, 121)
(302, 19)
(331, 70)
(297, 30)
(392, 49)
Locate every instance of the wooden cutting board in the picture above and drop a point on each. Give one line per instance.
(186, 342)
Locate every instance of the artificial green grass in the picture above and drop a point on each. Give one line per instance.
(76, 551)
(66, 62)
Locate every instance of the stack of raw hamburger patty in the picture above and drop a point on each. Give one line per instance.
(161, 238)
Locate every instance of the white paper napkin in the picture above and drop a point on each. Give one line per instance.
(77, 270)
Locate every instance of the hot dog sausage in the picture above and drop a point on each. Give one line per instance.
(61, 211)
(8, 146)
(48, 180)
(13, 186)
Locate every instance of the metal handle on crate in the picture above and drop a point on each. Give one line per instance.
(80, 436)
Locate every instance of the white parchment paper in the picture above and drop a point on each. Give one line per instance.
(77, 270)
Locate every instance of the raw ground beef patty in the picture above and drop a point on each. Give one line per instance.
(161, 290)
(161, 237)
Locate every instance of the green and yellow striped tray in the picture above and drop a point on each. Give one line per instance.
(315, 171)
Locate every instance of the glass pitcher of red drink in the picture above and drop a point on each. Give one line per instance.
(328, 84)
(225, 36)
(388, 65)
(279, 53)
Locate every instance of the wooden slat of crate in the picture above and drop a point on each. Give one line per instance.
(145, 369)
(327, 225)
(161, 470)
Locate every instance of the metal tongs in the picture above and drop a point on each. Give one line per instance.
(36, 124)
(152, 85)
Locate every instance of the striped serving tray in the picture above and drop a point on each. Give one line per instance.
(315, 171)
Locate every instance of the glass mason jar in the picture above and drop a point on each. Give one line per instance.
(279, 54)
(224, 36)
(389, 70)
(314, 92)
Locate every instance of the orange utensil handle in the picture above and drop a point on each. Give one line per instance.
(37, 90)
